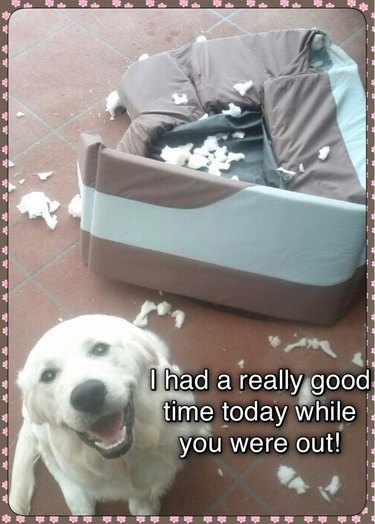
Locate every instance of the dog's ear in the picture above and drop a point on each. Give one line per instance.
(151, 349)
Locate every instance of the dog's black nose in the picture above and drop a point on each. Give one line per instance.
(89, 396)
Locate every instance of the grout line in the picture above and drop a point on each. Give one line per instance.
(67, 23)
(31, 276)
(352, 36)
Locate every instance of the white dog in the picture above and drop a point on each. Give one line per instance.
(89, 412)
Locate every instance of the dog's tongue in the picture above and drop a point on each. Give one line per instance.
(108, 428)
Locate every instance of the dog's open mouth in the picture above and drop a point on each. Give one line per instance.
(112, 434)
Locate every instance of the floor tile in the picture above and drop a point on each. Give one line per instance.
(98, 121)
(16, 275)
(53, 154)
(23, 130)
(29, 26)
(57, 97)
(338, 23)
(224, 30)
(240, 501)
(175, 28)
(355, 46)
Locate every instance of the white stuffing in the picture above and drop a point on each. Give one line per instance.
(233, 110)
(243, 87)
(287, 174)
(202, 151)
(312, 343)
(301, 168)
(220, 472)
(305, 397)
(333, 486)
(326, 347)
(221, 154)
(241, 363)
(235, 157)
(163, 309)
(45, 175)
(285, 474)
(75, 207)
(211, 143)
(176, 155)
(197, 161)
(179, 99)
(141, 319)
(179, 317)
(299, 485)
(331, 489)
(20, 114)
(201, 38)
(235, 177)
(37, 204)
(203, 117)
(238, 134)
(317, 42)
(358, 360)
(223, 136)
(21, 181)
(302, 343)
(11, 187)
(145, 56)
(113, 102)
(324, 152)
(11, 164)
(275, 341)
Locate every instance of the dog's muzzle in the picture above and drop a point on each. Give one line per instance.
(111, 434)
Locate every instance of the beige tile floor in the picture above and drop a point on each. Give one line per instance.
(62, 66)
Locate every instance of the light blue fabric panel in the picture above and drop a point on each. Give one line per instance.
(266, 231)
(350, 102)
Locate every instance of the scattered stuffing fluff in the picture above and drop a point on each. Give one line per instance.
(179, 99)
(197, 161)
(305, 397)
(223, 136)
(211, 143)
(233, 110)
(21, 181)
(11, 164)
(20, 114)
(241, 363)
(330, 490)
(235, 177)
(75, 207)
(11, 187)
(221, 153)
(238, 134)
(275, 341)
(201, 38)
(112, 103)
(324, 152)
(285, 474)
(299, 485)
(179, 317)
(203, 116)
(243, 87)
(163, 308)
(235, 157)
(45, 175)
(145, 56)
(287, 174)
(176, 155)
(141, 320)
(358, 360)
(301, 168)
(312, 343)
(37, 204)
(220, 472)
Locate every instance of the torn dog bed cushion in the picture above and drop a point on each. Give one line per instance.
(280, 230)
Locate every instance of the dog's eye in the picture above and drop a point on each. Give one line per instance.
(100, 349)
(48, 375)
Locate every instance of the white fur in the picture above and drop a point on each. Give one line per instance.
(141, 475)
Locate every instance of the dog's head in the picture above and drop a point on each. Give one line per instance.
(84, 373)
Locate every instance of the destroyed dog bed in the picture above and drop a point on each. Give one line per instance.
(241, 179)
